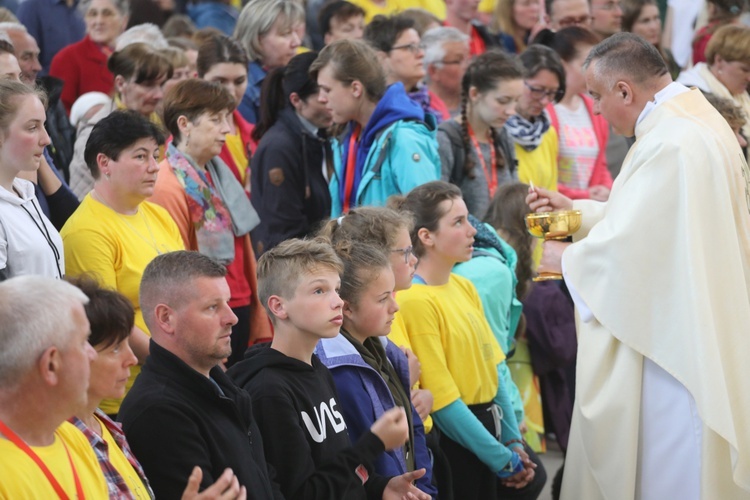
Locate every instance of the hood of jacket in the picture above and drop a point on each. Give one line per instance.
(393, 106)
(25, 190)
(261, 356)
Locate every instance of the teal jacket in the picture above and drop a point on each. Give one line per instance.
(397, 152)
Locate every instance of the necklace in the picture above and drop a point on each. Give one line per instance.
(42, 227)
(150, 242)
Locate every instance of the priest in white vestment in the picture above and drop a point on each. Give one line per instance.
(660, 275)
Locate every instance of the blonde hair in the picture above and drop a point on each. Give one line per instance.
(10, 91)
(377, 226)
(258, 17)
(281, 268)
(731, 42)
(362, 265)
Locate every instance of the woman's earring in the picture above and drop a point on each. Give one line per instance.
(187, 140)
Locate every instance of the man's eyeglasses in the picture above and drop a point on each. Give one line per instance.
(540, 92)
(414, 48)
(574, 21)
(408, 251)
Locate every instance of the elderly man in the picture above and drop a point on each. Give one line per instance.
(660, 275)
(44, 377)
(183, 410)
(27, 50)
(446, 57)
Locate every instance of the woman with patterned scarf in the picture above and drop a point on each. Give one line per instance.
(536, 142)
(206, 200)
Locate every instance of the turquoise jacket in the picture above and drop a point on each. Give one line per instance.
(398, 152)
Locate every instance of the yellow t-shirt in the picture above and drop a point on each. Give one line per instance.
(453, 341)
(372, 9)
(399, 337)
(120, 463)
(239, 154)
(116, 249)
(23, 479)
(540, 167)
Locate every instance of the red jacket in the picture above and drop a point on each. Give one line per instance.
(82, 66)
(600, 176)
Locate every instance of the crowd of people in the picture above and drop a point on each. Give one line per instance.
(278, 249)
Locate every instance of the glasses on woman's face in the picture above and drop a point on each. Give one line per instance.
(414, 48)
(541, 92)
(406, 251)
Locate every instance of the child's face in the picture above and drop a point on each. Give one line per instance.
(403, 265)
(315, 307)
(373, 313)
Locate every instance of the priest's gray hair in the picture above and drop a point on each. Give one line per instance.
(626, 56)
(36, 313)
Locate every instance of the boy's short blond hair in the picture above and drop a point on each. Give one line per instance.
(281, 268)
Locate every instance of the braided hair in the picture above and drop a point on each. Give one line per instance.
(485, 73)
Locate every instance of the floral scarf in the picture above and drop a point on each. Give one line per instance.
(212, 218)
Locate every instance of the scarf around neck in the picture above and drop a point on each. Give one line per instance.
(218, 211)
(525, 133)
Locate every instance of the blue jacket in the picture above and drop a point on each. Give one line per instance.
(397, 152)
(364, 396)
(249, 107)
(214, 15)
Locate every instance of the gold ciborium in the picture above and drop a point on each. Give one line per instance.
(553, 226)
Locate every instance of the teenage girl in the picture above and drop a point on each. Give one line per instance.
(372, 374)
(476, 152)
(459, 355)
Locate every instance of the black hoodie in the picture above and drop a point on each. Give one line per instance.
(304, 434)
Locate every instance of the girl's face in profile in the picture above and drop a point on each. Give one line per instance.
(454, 239)
(374, 311)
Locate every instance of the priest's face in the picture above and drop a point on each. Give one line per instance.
(609, 101)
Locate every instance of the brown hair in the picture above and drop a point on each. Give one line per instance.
(217, 49)
(422, 202)
(353, 60)
(375, 226)
(140, 63)
(110, 313)
(281, 268)
(484, 73)
(731, 112)
(192, 98)
(631, 10)
(10, 91)
(362, 265)
(176, 56)
(507, 214)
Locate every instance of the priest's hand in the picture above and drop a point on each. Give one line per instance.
(401, 487)
(552, 257)
(543, 200)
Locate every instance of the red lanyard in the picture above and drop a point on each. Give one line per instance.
(489, 173)
(16, 440)
(351, 166)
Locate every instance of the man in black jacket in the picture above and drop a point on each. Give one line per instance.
(183, 410)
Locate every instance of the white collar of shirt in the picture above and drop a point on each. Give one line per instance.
(307, 125)
(672, 90)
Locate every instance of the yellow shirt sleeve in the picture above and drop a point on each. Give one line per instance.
(22, 478)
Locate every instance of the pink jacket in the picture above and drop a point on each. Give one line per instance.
(600, 176)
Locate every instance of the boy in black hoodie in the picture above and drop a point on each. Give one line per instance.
(294, 397)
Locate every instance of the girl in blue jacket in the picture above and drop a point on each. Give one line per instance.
(370, 372)
(389, 146)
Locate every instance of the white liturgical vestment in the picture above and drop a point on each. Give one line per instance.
(664, 269)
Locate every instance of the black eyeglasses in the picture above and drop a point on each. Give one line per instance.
(414, 48)
(540, 92)
(406, 251)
